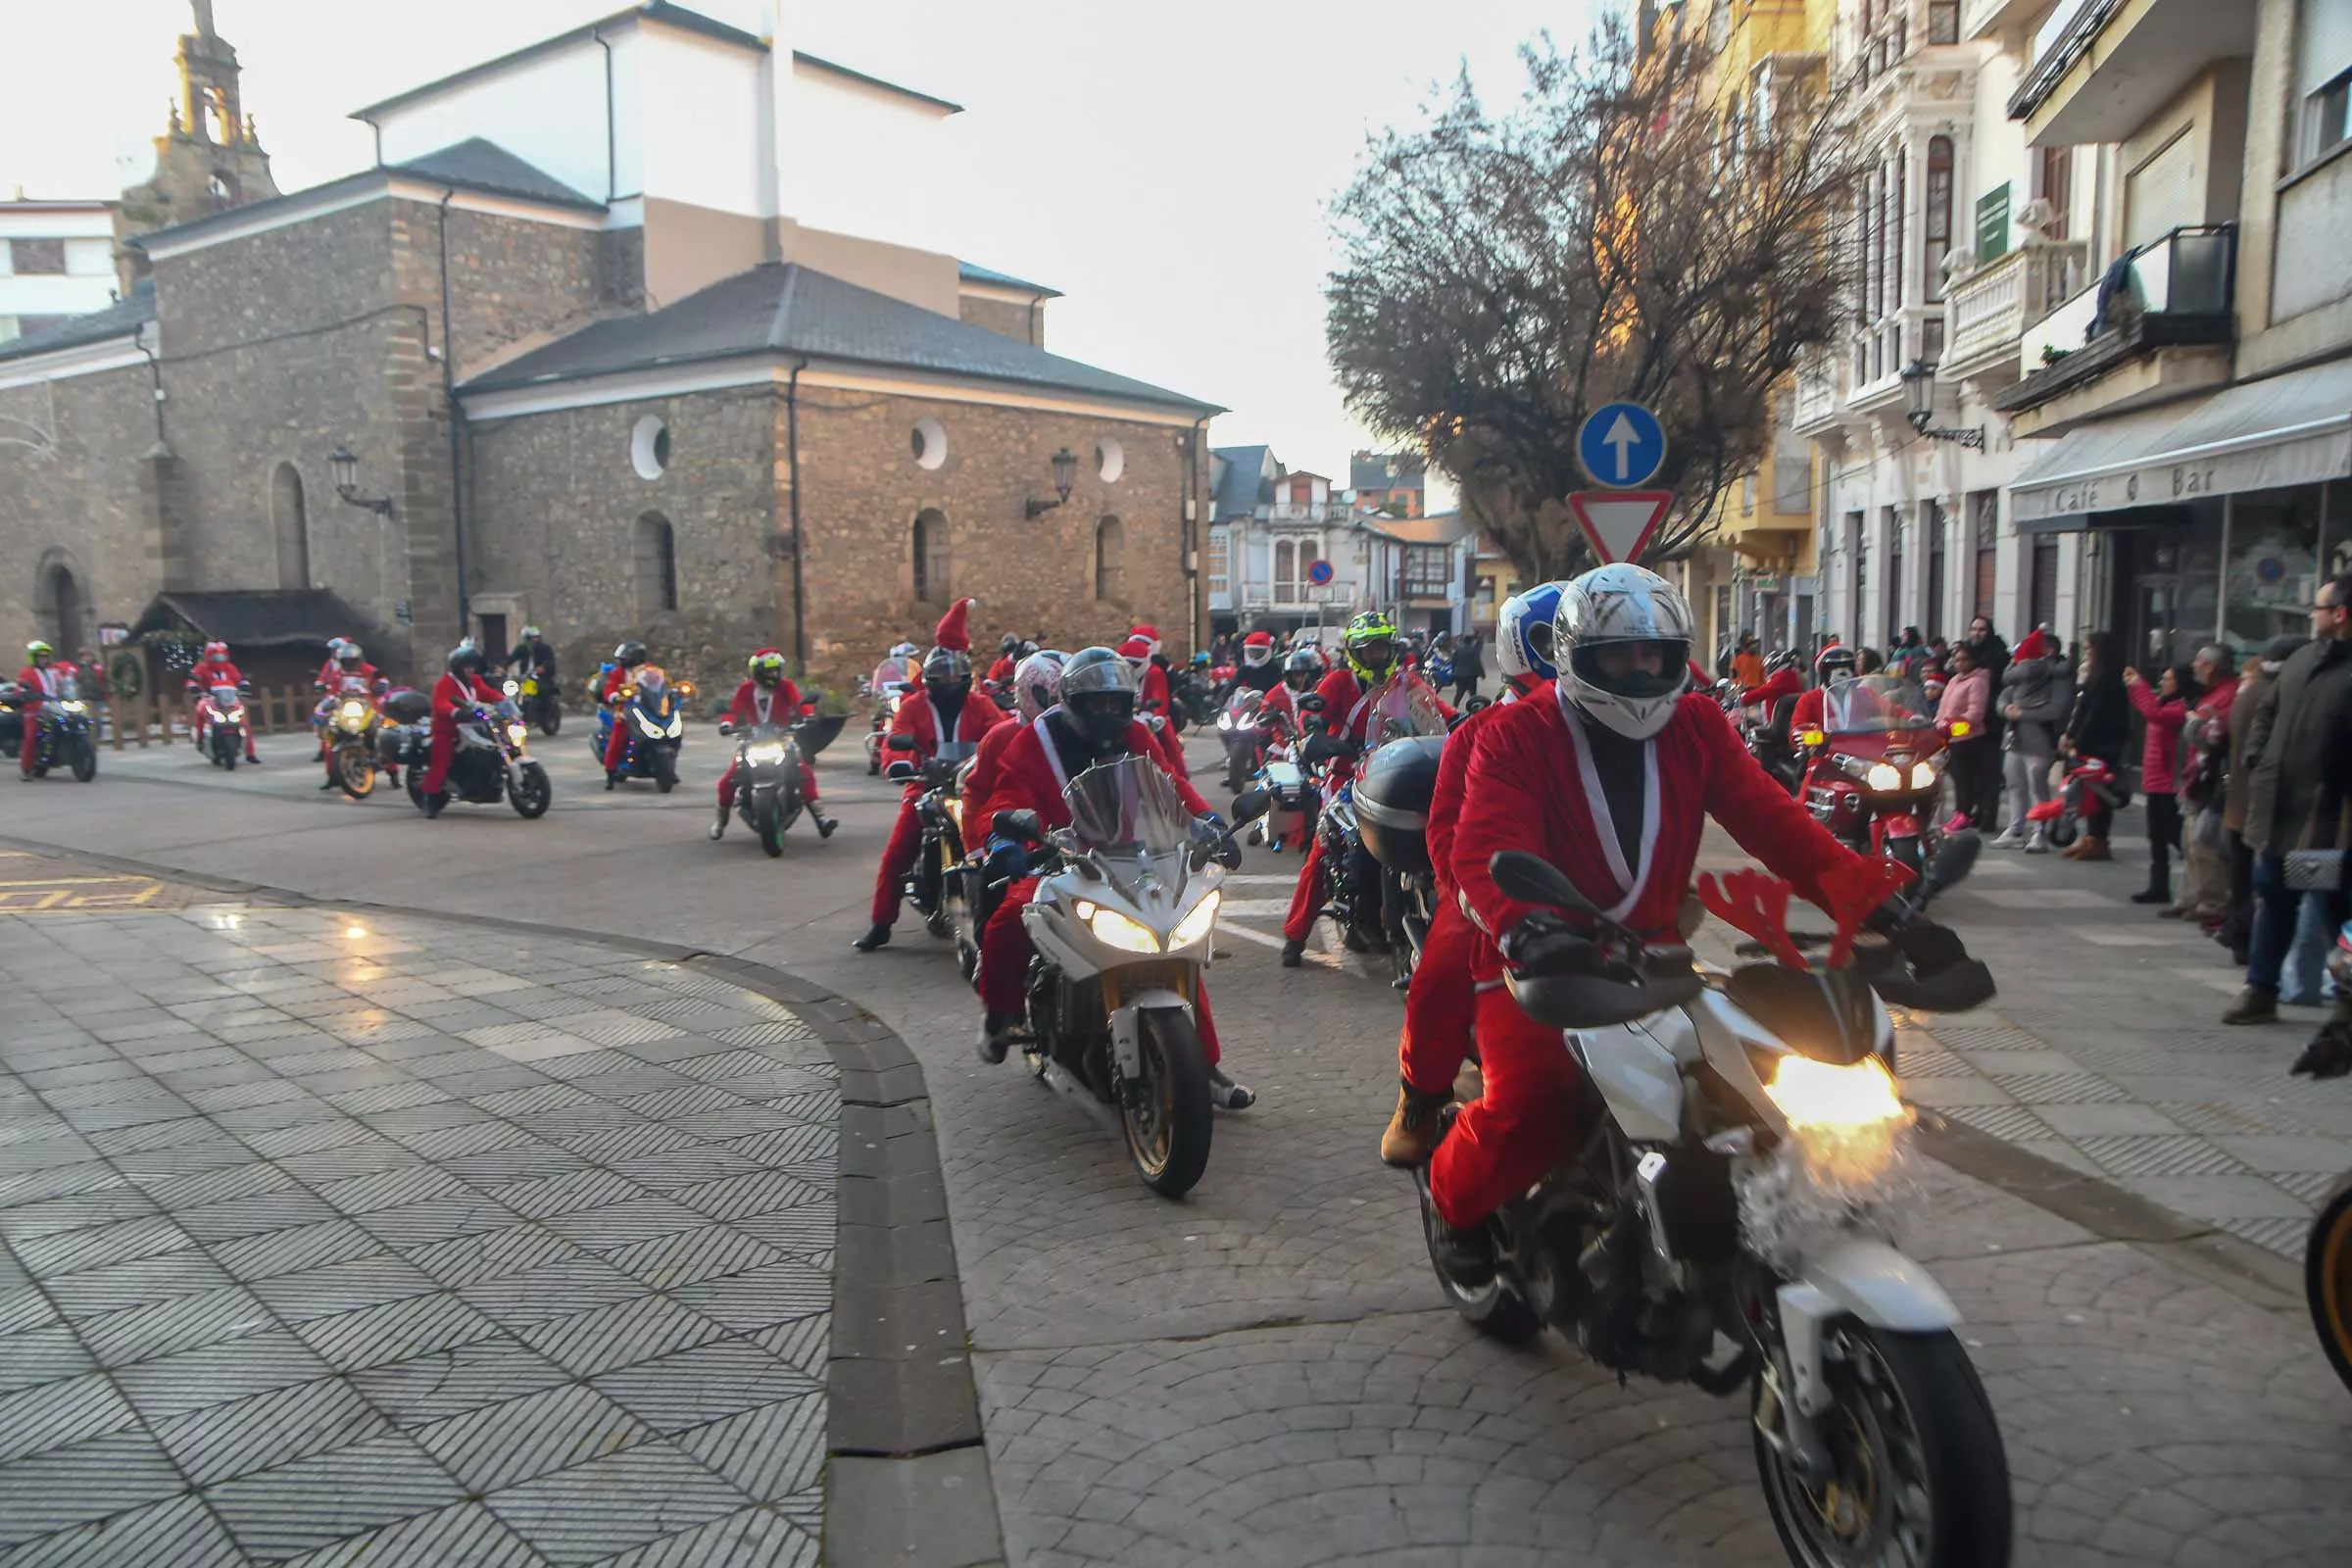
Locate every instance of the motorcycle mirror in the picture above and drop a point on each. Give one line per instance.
(1251, 806)
(1311, 703)
(726, 726)
(1024, 825)
(901, 743)
(1532, 880)
(1951, 867)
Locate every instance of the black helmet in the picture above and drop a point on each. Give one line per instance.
(945, 669)
(1099, 691)
(1836, 662)
(1025, 650)
(1008, 643)
(465, 656)
(1302, 669)
(629, 655)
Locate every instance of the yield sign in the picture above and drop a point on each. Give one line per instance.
(1618, 523)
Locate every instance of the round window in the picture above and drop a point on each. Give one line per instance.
(1110, 460)
(929, 439)
(649, 448)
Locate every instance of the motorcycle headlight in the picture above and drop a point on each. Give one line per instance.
(516, 732)
(650, 725)
(69, 705)
(764, 756)
(352, 715)
(1884, 776)
(1923, 774)
(677, 728)
(1845, 1118)
(1224, 721)
(1197, 925)
(1115, 930)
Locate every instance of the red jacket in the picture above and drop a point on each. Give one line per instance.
(1453, 782)
(40, 683)
(1154, 698)
(208, 673)
(1025, 775)
(1524, 792)
(451, 695)
(1002, 670)
(1348, 712)
(917, 718)
(363, 681)
(614, 679)
(783, 706)
(2160, 752)
(1783, 682)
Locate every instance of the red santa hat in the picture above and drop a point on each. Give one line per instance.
(1135, 647)
(1259, 639)
(1149, 634)
(955, 632)
(2036, 646)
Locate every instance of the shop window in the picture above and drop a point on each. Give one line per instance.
(2041, 600)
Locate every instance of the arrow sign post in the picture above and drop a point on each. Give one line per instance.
(1618, 523)
(1621, 445)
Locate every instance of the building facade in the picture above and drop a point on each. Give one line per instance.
(57, 260)
(629, 391)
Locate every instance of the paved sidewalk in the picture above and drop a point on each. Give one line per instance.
(336, 1239)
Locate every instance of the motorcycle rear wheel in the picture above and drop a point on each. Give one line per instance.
(1921, 1476)
(354, 770)
(1168, 1132)
(532, 795)
(85, 760)
(551, 717)
(2328, 1279)
(416, 784)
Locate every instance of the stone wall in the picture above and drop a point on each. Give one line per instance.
(76, 504)
(511, 280)
(1023, 323)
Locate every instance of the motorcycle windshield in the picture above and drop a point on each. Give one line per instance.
(224, 697)
(1128, 807)
(1244, 705)
(957, 751)
(1875, 705)
(1402, 708)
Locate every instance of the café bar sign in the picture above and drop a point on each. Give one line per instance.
(2172, 479)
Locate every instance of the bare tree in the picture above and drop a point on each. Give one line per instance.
(1634, 228)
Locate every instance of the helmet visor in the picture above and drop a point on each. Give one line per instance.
(1640, 669)
(1374, 653)
(1102, 716)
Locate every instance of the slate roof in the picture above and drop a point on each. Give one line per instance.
(787, 309)
(119, 319)
(484, 165)
(259, 618)
(971, 273)
(1438, 529)
(1384, 470)
(1241, 486)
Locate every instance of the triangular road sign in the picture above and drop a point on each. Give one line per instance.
(1618, 523)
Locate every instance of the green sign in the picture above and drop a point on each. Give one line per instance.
(1992, 223)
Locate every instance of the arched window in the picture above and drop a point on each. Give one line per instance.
(291, 524)
(1110, 559)
(933, 566)
(657, 566)
(1938, 215)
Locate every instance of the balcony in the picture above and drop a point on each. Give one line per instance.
(1298, 599)
(2158, 310)
(1985, 313)
(2103, 68)
(1308, 514)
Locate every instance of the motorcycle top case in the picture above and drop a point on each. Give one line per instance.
(1391, 802)
(407, 706)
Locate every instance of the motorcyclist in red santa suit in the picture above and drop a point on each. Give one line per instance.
(1036, 688)
(1784, 680)
(1367, 656)
(215, 669)
(947, 708)
(1149, 668)
(1259, 671)
(1612, 781)
(352, 678)
(1138, 650)
(1009, 657)
(619, 676)
(769, 698)
(1094, 722)
(1438, 1003)
(459, 690)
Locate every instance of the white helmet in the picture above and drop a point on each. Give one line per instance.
(1037, 683)
(1523, 634)
(1615, 605)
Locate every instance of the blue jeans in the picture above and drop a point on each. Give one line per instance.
(2278, 911)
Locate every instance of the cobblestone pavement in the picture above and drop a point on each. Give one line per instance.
(395, 1241)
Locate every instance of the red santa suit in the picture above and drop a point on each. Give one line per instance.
(453, 694)
(1029, 774)
(1347, 715)
(1781, 683)
(41, 683)
(756, 705)
(1533, 786)
(1002, 670)
(203, 676)
(920, 718)
(360, 680)
(616, 744)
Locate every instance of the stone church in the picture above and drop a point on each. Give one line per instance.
(578, 351)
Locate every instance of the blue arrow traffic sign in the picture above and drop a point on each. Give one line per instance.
(1621, 446)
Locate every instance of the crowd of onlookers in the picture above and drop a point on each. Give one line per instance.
(2242, 766)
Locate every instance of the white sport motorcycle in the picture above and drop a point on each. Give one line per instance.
(1728, 1220)
(1121, 927)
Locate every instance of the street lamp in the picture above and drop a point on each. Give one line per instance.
(1065, 474)
(1919, 394)
(346, 467)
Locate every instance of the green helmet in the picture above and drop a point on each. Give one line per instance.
(38, 650)
(1370, 646)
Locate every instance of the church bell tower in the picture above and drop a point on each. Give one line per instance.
(210, 156)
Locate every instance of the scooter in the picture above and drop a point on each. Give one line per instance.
(2090, 781)
(1121, 922)
(1725, 1210)
(653, 707)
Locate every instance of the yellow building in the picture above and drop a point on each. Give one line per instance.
(1755, 572)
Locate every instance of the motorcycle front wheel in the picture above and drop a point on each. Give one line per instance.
(1166, 1117)
(665, 769)
(767, 821)
(2062, 832)
(85, 760)
(2328, 1279)
(1917, 1472)
(354, 770)
(531, 794)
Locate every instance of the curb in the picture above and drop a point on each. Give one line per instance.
(907, 1478)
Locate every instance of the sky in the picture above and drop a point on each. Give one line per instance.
(1168, 168)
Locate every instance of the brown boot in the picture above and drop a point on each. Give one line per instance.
(2092, 850)
(1414, 1131)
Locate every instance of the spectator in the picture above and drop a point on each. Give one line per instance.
(2287, 746)
(2204, 766)
(2256, 689)
(1469, 667)
(1961, 715)
(2100, 726)
(2037, 693)
(1747, 664)
(2165, 712)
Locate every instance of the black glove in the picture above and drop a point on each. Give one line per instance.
(1541, 944)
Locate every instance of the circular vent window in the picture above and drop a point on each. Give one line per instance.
(930, 441)
(1110, 460)
(649, 448)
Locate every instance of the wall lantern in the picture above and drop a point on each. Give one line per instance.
(1919, 395)
(345, 468)
(1065, 474)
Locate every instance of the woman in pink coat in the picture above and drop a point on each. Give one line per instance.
(2163, 709)
(1975, 758)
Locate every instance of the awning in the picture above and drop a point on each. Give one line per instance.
(253, 617)
(2288, 430)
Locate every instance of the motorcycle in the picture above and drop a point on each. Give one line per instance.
(541, 702)
(1196, 699)
(654, 710)
(1391, 793)
(12, 719)
(932, 887)
(1121, 921)
(492, 761)
(1366, 899)
(222, 712)
(886, 713)
(402, 733)
(1238, 729)
(767, 781)
(2089, 781)
(65, 733)
(1878, 768)
(1764, 729)
(351, 731)
(1727, 1219)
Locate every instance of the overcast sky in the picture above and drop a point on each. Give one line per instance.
(1166, 167)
